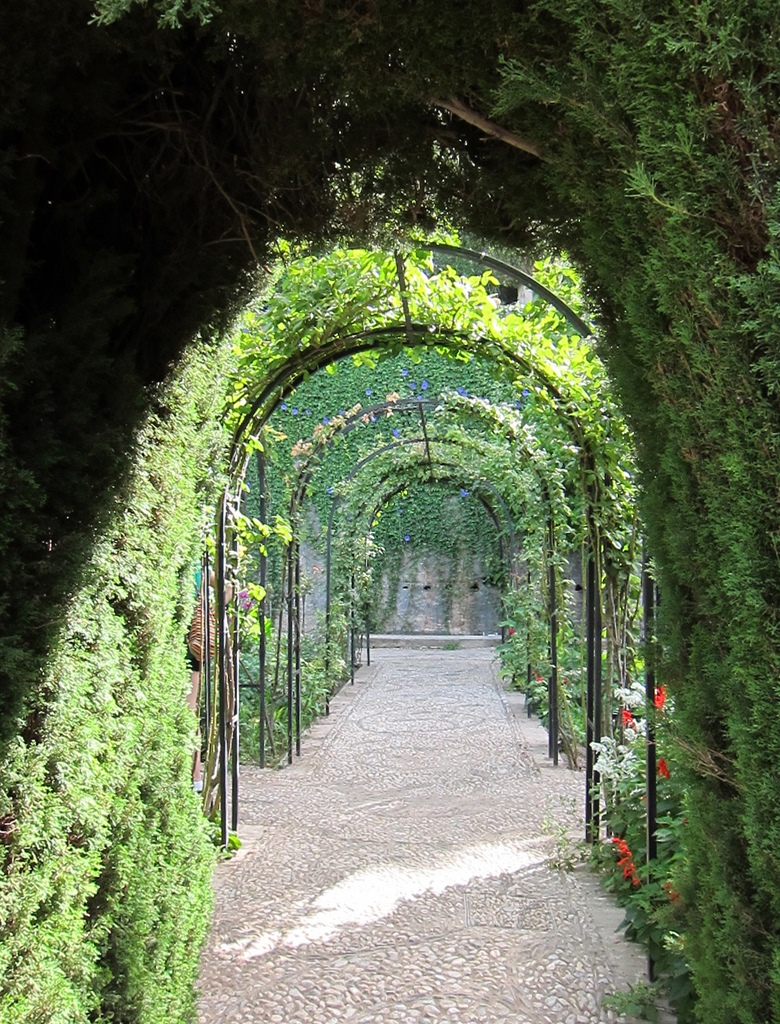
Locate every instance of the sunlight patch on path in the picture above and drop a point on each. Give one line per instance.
(374, 893)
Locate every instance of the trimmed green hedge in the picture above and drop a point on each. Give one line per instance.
(105, 856)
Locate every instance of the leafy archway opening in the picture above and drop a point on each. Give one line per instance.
(558, 418)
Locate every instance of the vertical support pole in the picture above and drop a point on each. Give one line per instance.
(352, 630)
(552, 692)
(368, 644)
(593, 699)
(502, 561)
(648, 629)
(236, 711)
(597, 696)
(261, 615)
(290, 599)
(205, 665)
(529, 667)
(590, 633)
(297, 640)
(328, 566)
(222, 666)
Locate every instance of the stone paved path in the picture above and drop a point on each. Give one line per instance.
(398, 871)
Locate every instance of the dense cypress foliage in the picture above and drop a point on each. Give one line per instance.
(666, 144)
(105, 857)
(146, 169)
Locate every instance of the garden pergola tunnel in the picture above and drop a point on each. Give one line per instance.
(285, 378)
(454, 474)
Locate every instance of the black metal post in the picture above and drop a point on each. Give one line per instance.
(222, 667)
(590, 633)
(597, 698)
(368, 645)
(552, 692)
(352, 630)
(297, 641)
(261, 613)
(290, 598)
(236, 711)
(529, 667)
(651, 768)
(205, 664)
(328, 572)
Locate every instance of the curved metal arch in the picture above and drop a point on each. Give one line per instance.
(504, 556)
(404, 405)
(293, 370)
(296, 366)
(479, 483)
(476, 487)
(486, 260)
(301, 364)
(401, 442)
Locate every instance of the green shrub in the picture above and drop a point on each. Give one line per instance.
(106, 858)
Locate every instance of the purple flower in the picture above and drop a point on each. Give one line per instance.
(308, 412)
(425, 385)
(396, 432)
(325, 420)
(412, 385)
(295, 412)
(526, 392)
(407, 538)
(404, 372)
(245, 600)
(330, 490)
(463, 492)
(461, 391)
(283, 406)
(368, 392)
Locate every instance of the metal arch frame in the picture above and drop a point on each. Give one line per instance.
(553, 716)
(301, 364)
(401, 442)
(288, 372)
(504, 556)
(357, 419)
(509, 270)
(292, 561)
(295, 368)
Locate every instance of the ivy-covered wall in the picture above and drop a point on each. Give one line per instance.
(105, 857)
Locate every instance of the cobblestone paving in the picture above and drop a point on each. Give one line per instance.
(398, 872)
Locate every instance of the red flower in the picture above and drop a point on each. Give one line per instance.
(627, 718)
(672, 893)
(626, 860)
(660, 697)
(511, 631)
(663, 768)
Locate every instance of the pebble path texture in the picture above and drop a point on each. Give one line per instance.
(403, 869)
